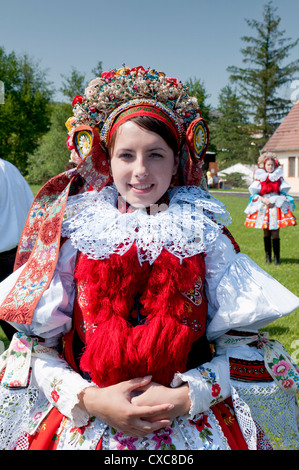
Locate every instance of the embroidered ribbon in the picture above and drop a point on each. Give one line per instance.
(17, 360)
(15, 363)
(278, 362)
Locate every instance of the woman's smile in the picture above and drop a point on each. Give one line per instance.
(141, 188)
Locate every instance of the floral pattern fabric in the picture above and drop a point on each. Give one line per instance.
(203, 433)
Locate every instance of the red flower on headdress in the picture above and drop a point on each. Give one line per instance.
(109, 74)
(174, 81)
(69, 143)
(77, 99)
(138, 68)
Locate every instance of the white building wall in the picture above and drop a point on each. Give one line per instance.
(283, 157)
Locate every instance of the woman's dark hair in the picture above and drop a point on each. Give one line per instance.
(154, 125)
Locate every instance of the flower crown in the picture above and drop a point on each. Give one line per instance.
(266, 156)
(117, 87)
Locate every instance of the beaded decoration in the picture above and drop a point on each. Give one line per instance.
(109, 121)
(264, 157)
(117, 87)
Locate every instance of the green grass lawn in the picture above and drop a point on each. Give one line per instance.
(285, 330)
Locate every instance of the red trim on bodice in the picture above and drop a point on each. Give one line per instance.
(137, 320)
(270, 186)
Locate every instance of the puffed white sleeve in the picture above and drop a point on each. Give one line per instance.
(53, 314)
(255, 188)
(241, 296)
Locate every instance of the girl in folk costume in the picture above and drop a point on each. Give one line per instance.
(120, 290)
(270, 206)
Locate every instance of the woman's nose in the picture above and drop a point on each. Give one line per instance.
(141, 167)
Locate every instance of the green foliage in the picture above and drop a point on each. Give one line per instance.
(235, 179)
(197, 88)
(52, 155)
(73, 84)
(97, 70)
(232, 132)
(24, 116)
(260, 82)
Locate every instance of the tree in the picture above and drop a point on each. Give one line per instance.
(24, 116)
(73, 84)
(197, 88)
(97, 70)
(232, 131)
(267, 72)
(52, 155)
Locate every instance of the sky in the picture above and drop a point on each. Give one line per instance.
(195, 39)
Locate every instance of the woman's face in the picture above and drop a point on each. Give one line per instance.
(269, 166)
(142, 165)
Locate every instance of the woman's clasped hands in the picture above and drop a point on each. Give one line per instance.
(136, 407)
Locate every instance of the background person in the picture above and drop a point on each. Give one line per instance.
(270, 207)
(15, 201)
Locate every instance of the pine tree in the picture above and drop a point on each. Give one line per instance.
(232, 131)
(266, 73)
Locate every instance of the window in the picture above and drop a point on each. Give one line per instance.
(292, 163)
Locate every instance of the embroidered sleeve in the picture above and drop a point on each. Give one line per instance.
(208, 384)
(60, 383)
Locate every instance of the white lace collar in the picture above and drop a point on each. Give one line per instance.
(189, 225)
(261, 174)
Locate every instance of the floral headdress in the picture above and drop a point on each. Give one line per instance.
(88, 130)
(116, 91)
(266, 156)
(117, 87)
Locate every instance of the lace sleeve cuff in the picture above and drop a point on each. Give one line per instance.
(208, 384)
(60, 384)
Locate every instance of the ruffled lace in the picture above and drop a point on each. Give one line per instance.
(189, 225)
(262, 175)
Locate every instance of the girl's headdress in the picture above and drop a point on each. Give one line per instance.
(266, 156)
(119, 95)
(108, 101)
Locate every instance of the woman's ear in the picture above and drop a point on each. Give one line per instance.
(176, 164)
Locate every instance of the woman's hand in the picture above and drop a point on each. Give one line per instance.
(266, 201)
(154, 394)
(114, 405)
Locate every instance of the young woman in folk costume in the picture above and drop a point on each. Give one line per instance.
(270, 207)
(126, 276)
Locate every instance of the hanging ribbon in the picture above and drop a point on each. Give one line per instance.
(278, 362)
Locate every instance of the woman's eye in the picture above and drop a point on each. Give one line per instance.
(156, 155)
(125, 156)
